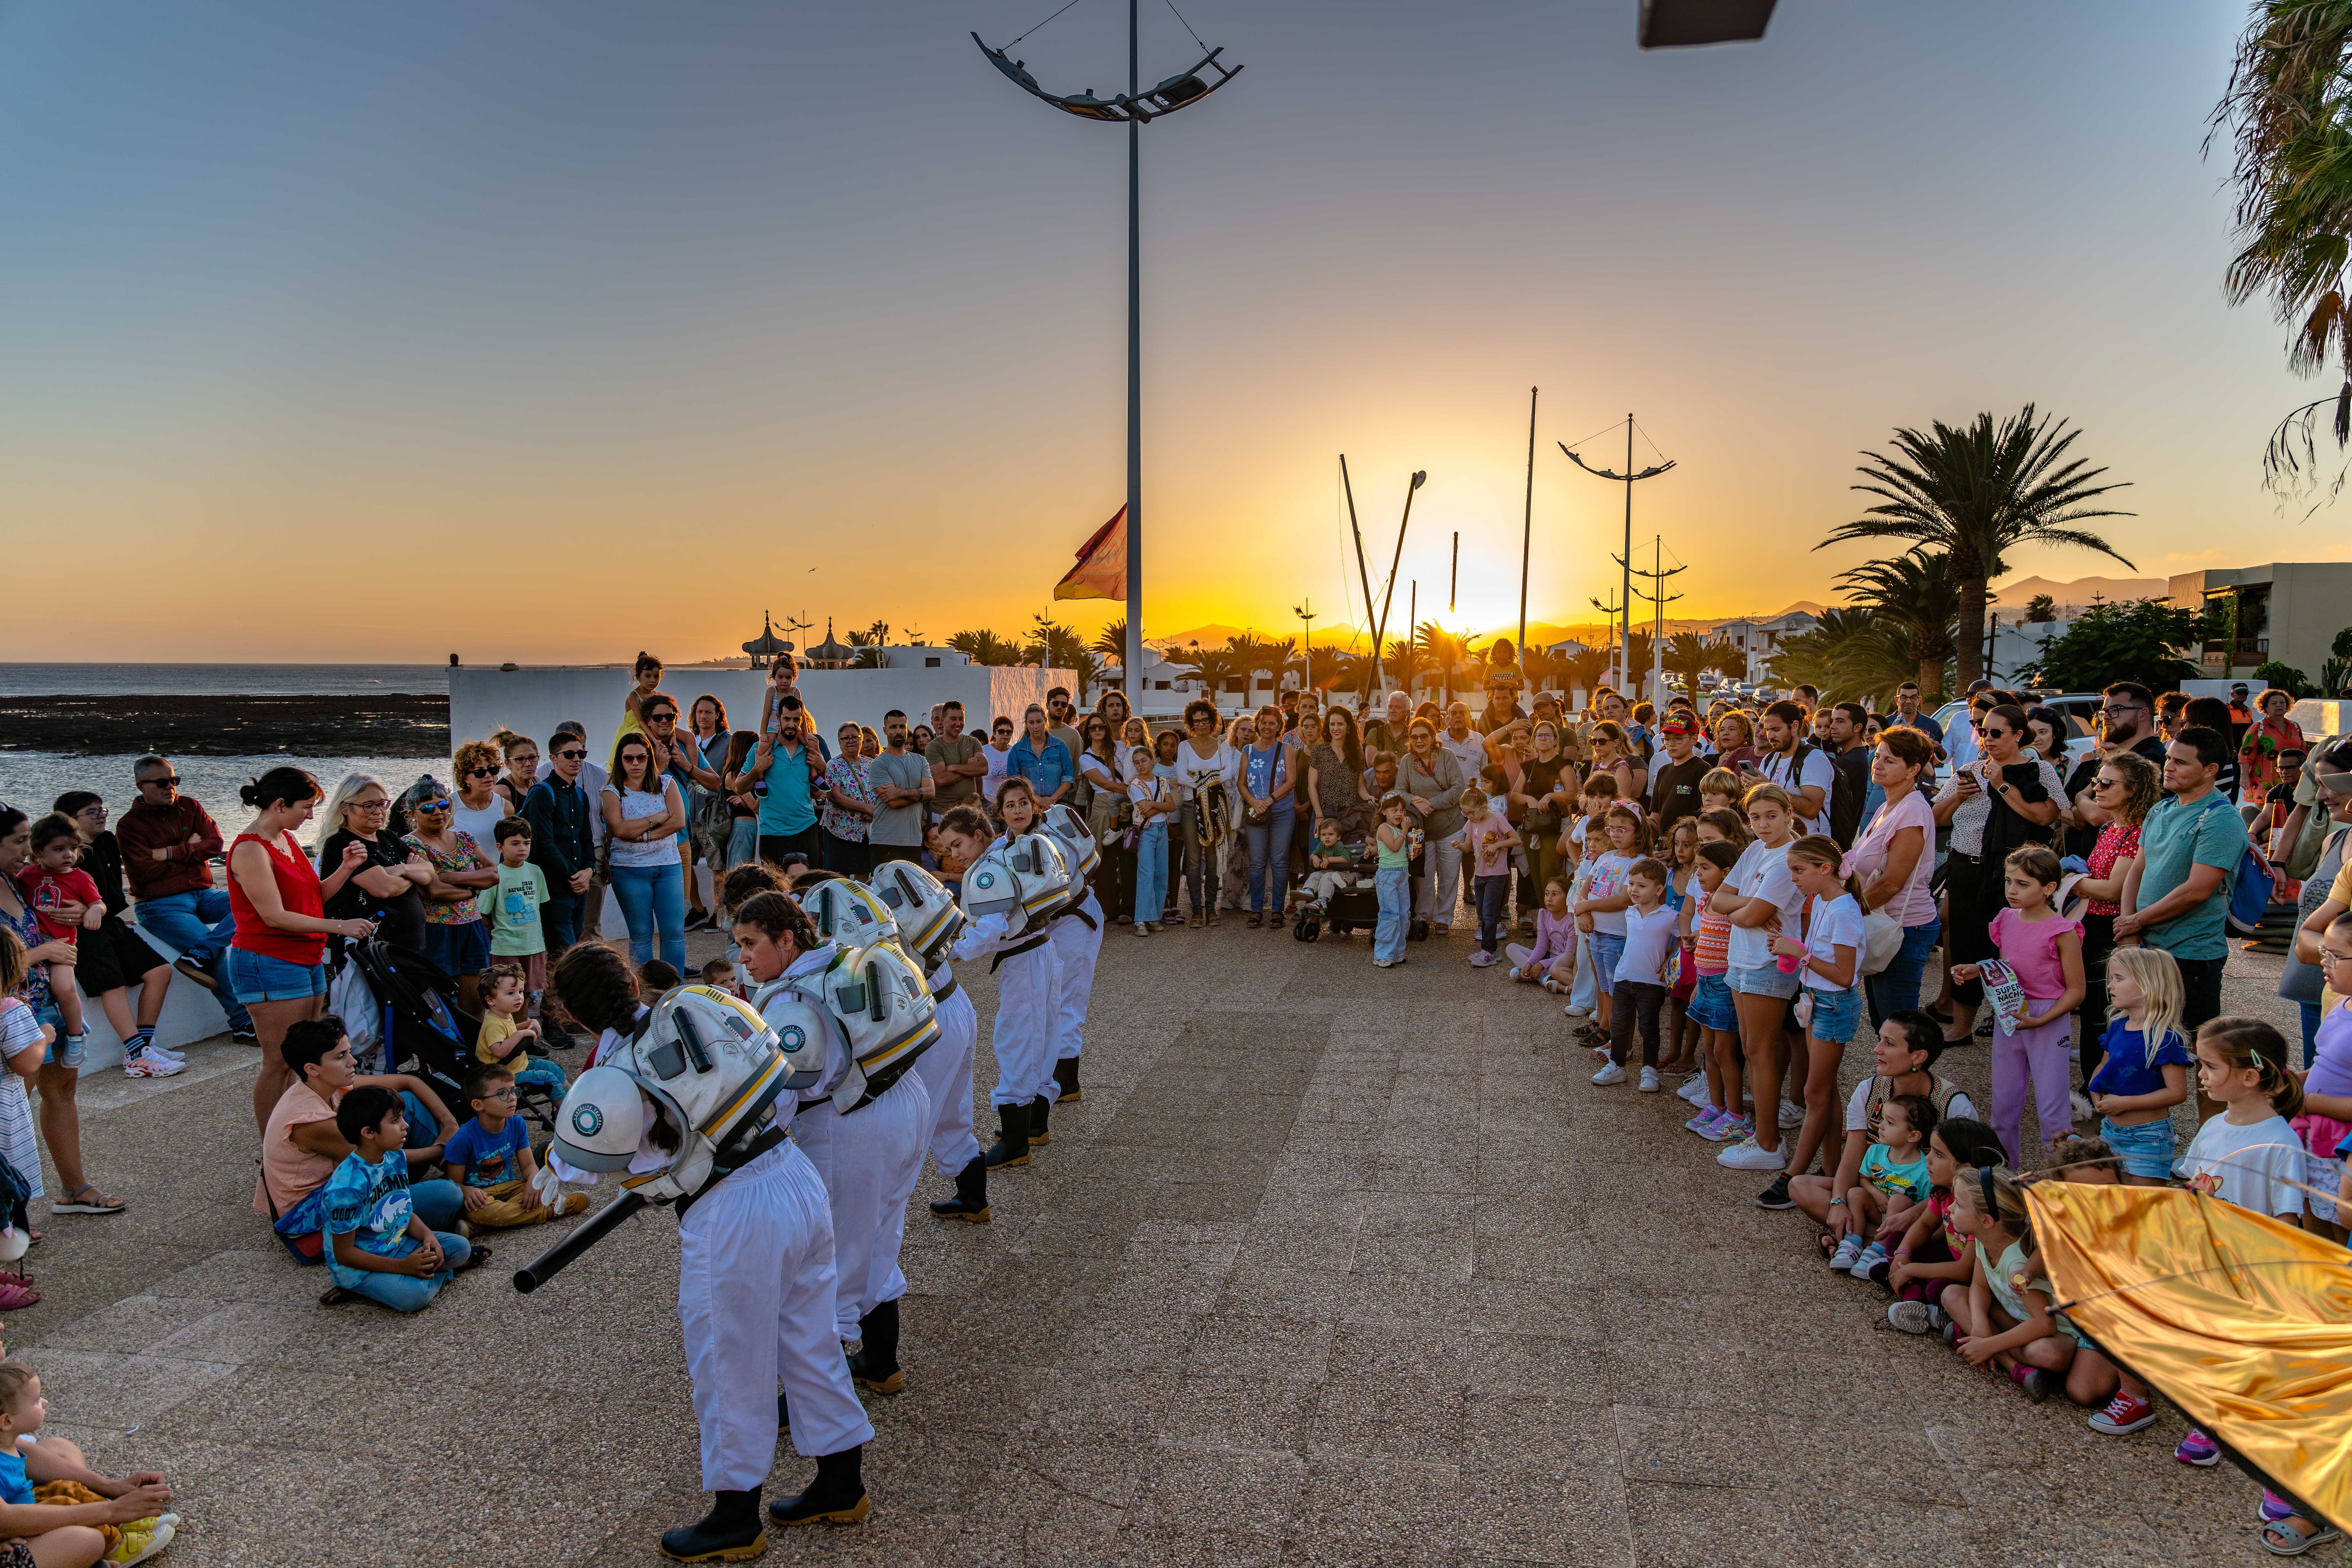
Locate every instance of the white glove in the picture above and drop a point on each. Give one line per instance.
(548, 1185)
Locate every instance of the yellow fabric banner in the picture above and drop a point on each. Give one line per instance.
(1101, 571)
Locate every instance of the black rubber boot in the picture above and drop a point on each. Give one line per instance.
(729, 1533)
(1039, 1133)
(1065, 1073)
(971, 1201)
(837, 1496)
(1011, 1145)
(876, 1363)
(783, 1416)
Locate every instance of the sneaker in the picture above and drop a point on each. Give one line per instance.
(1753, 1156)
(1707, 1116)
(1775, 1196)
(245, 1036)
(1847, 1251)
(1791, 1114)
(1874, 1256)
(1728, 1129)
(1573, 1011)
(1914, 1317)
(2197, 1449)
(147, 1065)
(2033, 1380)
(1694, 1090)
(1482, 959)
(1608, 1074)
(2124, 1414)
(1649, 1084)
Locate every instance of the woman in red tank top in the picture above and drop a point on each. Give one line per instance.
(274, 963)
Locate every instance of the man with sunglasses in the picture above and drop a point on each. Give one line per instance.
(563, 820)
(2129, 711)
(168, 842)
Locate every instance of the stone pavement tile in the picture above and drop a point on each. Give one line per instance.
(1299, 1172)
(1661, 1373)
(1221, 1506)
(1445, 1256)
(1385, 1297)
(1320, 1290)
(1529, 1515)
(1726, 1448)
(1148, 1290)
(1179, 1243)
(1678, 1526)
(1289, 1240)
(128, 1389)
(133, 1321)
(1563, 1260)
(1123, 1404)
(1229, 1413)
(1561, 1434)
(248, 1275)
(1352, 1510)
(1408, 1416)
(1270, 1349)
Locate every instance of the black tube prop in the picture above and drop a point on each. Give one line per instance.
(552, 1262)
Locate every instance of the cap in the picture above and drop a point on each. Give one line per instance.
(1677, 724)
(1540, 697)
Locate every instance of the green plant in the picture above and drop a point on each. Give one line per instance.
(2286, 677)
(2134, 639)
(1688, 656)
(1915, 593)
(1977, 492)
(985, 648)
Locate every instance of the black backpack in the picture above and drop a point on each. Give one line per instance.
(1848, 787)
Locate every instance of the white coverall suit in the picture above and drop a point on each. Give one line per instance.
(1026, 986)
(755, 1297)
(946, 1072)
(1077, 945)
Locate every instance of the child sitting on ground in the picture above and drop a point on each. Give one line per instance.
(50, 880)
(1551, 962)
(1489, 838)
(377, 1246)
(1998, 1316)
(1895, 1179)
(490, 1160)
(720, 975)
(1330, 865)
(1931, 1253)
(85, 1517)
(507, 1036)
(2093, 1377)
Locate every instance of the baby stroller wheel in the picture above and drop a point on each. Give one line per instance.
(1307, 928)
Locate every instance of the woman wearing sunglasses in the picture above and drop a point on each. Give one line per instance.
(457, 937)
(388, 886)
(479, 807)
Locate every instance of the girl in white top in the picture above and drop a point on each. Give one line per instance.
(1828, 957)
(1759, 899)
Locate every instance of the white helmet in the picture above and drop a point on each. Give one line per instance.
(706, 1064)
(1027, 881)
(847, 912)
(1077, 840)
(878, 999)
(922, 907)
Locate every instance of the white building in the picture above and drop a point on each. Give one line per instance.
(1760, 640)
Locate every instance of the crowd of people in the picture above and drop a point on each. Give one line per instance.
(1717, 896)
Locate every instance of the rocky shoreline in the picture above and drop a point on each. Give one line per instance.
(393, 724)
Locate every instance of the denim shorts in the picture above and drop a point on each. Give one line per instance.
(1607, 949)
(1710, 1004)
(1836, 1013)
(59, 1052)
(1764, 980)
(258, 977)
(459, 949)
(2145, 1150)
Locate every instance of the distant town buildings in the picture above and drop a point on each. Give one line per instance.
(2287, 612)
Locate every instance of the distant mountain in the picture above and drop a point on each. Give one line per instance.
(2077, 594)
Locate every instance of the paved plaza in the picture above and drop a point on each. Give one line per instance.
(1331, 1266)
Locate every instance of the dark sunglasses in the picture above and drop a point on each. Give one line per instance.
(481, 772)
(570, 756)
(430, 805)
(171, 779)
(664, 717)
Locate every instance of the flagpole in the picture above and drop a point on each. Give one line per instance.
(1134, 659)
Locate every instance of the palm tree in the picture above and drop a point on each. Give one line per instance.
(1589, 669)
(1215, 666)
(2285, 107)
(1404, 662)
(1850, 653)
(1688, 656)
(985, 648)
(1914, 591)
(1978, 492)
(1111, 641)
(1727, 660)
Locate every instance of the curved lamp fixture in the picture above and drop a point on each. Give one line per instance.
(1183, 88)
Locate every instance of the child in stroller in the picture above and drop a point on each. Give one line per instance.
(1337, 889)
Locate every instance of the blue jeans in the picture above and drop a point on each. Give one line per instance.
(558, 918)
(1151, 871)
(1895, 988)
(2310, 1031)
(408, 1292)
(653, 898)
(1494, 897)
(543, 1072)
(1269, 853)
(1395, 885)
(199, 924)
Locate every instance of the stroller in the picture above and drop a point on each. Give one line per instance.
(395, 1001)
(1352, 907)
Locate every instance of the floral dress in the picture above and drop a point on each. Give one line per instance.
(467, 856)
(2118, 841)
(849, 778)
(2259, 753)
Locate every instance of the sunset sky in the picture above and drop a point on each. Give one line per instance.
(360, 332)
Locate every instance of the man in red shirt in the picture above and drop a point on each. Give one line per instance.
(168, 842)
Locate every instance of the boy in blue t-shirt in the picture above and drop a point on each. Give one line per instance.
(377, 1246)
(490, 1159)
(69, 1533)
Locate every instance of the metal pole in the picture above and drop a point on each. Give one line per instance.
(1388, 594)
(1658, 638)
(1412, 610)
(1625, 599)
(1528, 529)
(1454, 574)
(1379, 674)
(1134, 657)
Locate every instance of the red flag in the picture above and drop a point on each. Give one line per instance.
(1101, 571)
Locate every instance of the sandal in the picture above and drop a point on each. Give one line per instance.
(98, 1203)
(479, 1256)
(335, 1294)
(2296, 1543)
(1256, 921)
(17, 1293)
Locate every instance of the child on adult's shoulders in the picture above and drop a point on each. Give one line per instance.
(490, 1159)
(507, 1035)
(86, 1517)
(377, 1246)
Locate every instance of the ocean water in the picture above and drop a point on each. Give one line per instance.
(219, 679)
(32, 781)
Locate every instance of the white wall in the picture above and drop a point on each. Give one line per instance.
(533, 701)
